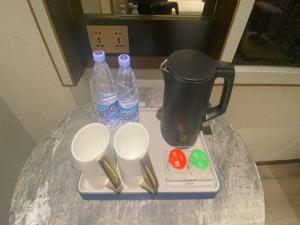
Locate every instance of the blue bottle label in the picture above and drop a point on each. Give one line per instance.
(109, 112)
(130, 114)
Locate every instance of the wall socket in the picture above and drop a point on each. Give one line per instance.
(111, 39)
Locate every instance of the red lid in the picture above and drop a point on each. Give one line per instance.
(177, 158)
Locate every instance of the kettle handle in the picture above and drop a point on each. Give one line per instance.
(226, 71)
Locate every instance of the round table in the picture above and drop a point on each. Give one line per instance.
(46, 191)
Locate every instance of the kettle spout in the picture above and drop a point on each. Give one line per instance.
(163, 68)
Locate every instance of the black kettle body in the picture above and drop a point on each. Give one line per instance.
(189, 76)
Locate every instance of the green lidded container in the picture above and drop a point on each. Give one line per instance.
(198, 159)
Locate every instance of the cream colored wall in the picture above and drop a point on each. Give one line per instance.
(46, 28)
(91, 6)
(267, 117)
(28, 81)
(96, 6)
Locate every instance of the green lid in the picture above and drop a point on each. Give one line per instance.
(198, 159)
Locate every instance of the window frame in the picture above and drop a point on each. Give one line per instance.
(254, 75)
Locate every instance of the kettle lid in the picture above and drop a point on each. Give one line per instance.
(191, 65)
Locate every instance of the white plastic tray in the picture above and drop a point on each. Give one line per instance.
(171, 185)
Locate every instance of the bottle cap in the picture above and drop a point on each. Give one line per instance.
(99, 56)
(124, 60)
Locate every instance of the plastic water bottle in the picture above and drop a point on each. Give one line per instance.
(105, 91)
(127, 90)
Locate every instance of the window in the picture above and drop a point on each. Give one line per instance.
(272, 34)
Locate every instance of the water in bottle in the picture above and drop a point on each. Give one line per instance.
(105, 91)
(127, 90)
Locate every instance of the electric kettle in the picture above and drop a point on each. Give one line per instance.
(189, 76)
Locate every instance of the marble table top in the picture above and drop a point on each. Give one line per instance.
(46, 191)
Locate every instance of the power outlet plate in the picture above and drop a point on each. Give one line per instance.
(111, 39)
(119, 39)
(99, 38)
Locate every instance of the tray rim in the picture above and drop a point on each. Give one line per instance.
(109, 195)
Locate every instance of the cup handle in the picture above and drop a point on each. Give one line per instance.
(115, 182)
(149, 181)
(147, 186)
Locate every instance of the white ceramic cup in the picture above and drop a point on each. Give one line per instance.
(90, 148)
(131, 143)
